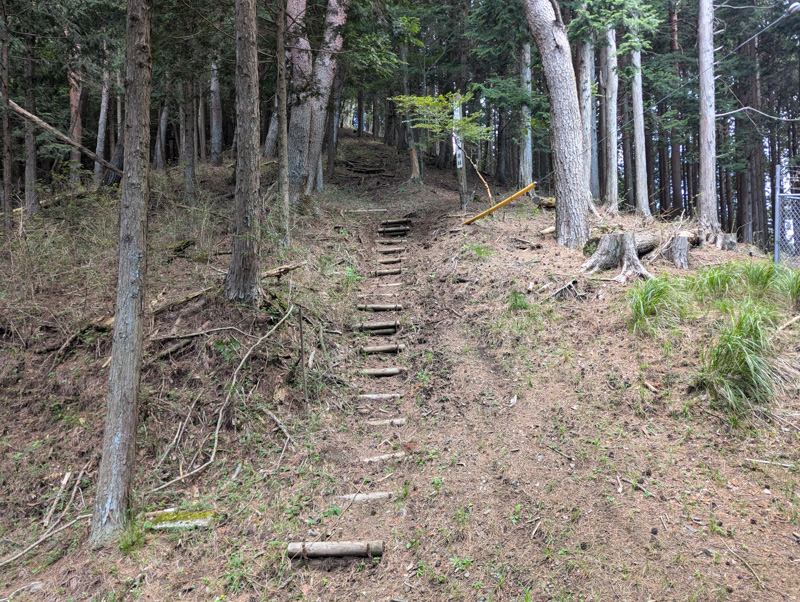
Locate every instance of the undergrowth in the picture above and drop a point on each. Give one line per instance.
(740, 305)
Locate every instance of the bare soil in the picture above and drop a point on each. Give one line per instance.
(549, 452)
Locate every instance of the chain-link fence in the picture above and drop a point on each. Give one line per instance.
(787, 217)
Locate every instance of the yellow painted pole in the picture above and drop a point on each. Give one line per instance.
(516, 195)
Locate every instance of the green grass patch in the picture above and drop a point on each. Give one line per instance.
(656, 301)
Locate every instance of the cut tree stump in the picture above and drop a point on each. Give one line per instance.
(379, 372)
(727, 242)
(376, 307)
(383, 349)
(337, 549)
(388, 422)
(389, 272)
(389, 261)
(678, 252)
(616, 249)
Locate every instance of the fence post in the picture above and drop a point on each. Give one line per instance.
(778, 226)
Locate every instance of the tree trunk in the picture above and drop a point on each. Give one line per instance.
(550, 34)
(189, 150)
(282, 126)
(502, 136)
(610, 168)
(271, 142)
(525, 176)
(629, 202)
(640, 186)
(4, 90)
(201, 122)
(242, 283)
(360, 112)
(102, 122)
(216, 115)
(76, 124)
(707, 201)
(676, 204)
(160, 158)
(375, 120)
(118, 463)
(586, 100)
(333, 123)
(31, 197)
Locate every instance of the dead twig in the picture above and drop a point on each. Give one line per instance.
(747, 564)
(64, 482)
(181, 428)
(223, 406)
(201, 333)
(43, 538)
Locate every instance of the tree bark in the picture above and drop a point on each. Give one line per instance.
(412, 147)
(201, 122)
(360, 112)
(31, 196)
(640, 160)
(118, 463)
(102, 122)
(282, 127)
(160, 157)
(271, 141)
(242, 283)
(550, 34)
(216, 115)
(4, 90)
(707, 201)
(189, 150)
(676, 204)
(610, 168)
(586, 101)
(76, 124)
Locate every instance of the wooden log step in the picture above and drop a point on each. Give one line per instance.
(389, 260)
(378, 307)
(396, 348)
(338, 549)
(390, 250)
(389, 272)
(367, 295)
(382, 333)
(380, 372)
(380, 396)
(395, 222)
(384, 457)
(388, 284)
(397, 234)
(377, 325)
(393, 229)
(367, 497)
(388, 422)
(390, 241)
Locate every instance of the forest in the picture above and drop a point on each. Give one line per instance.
(267, 332)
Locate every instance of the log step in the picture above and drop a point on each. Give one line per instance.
(389, 260)
(395, 222)
(388, 284)
(397, 348)
(393, 229)
(326, 549)
(388, 422)
(377, 325)
(380, 372)
(367, 295)
(377, 307)
(390, 250)
(380, 396)
(382, 333)
(367, 497)
(384, 457)
(390, 241)
(389, 272)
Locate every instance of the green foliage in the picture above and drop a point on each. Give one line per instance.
(655, 301)
(788, 283)
(715, 282)
(736, 368)
(132, 538)
(518, 301)
(435, 115)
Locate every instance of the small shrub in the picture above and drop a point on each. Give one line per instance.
(657, 299)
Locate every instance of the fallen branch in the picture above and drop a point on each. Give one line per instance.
(223, 406)
(282, 269)
(64, 482)
(181, 428)
(324, 549)
(43, 538)
(201, 333)
(789, 323)
(770, 463)
(367, 497)
(747, 564)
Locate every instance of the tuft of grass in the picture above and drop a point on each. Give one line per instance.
(655, 300)
(480, 252)
(759, 276)
(736, 369)
(788, 284)
(518, 301)
(716, 282)
(350, 279)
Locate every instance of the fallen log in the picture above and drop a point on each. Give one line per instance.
(389, 241)
(367, 497)
(388, 422)
(613, 250)
(380, 396)
(384, 457)
(383, 349)
(547, 201)
(389, 261)
(390, 250)
(389, 272)
(282, 269)
(334, 549)
(376, 307)
(380, 372)
(377, 325)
